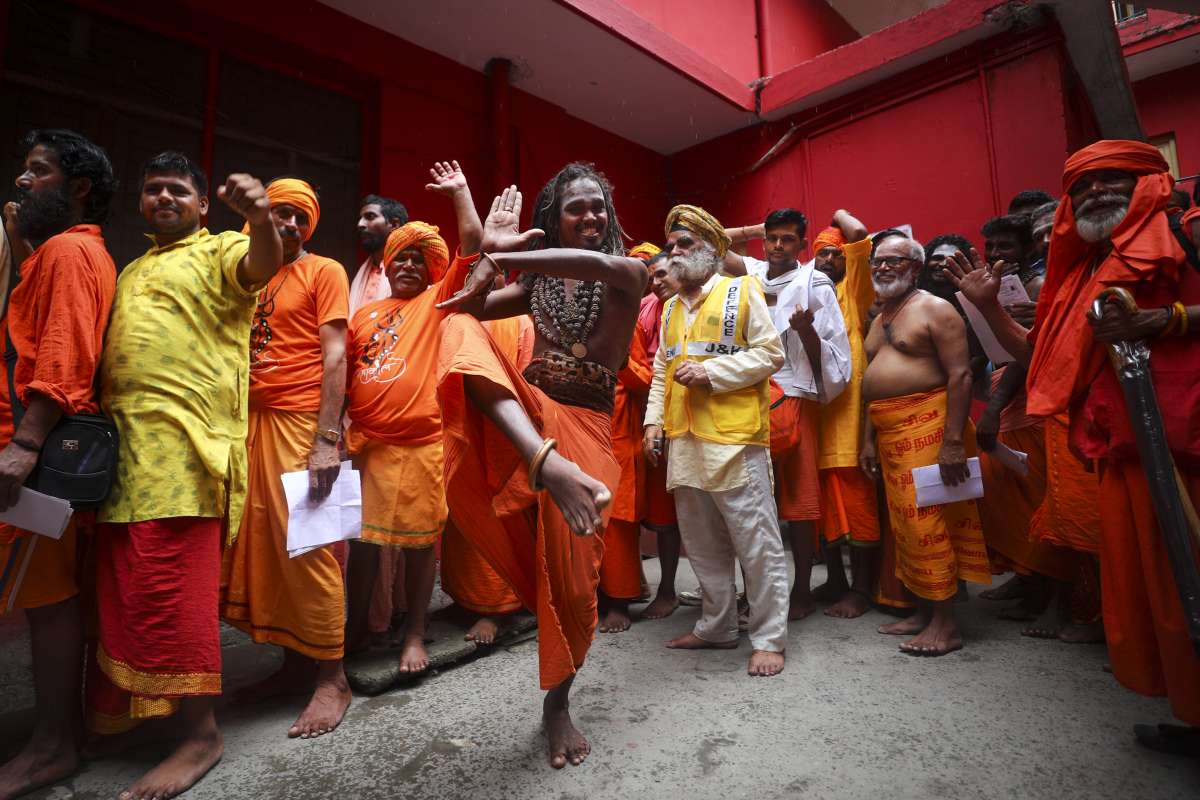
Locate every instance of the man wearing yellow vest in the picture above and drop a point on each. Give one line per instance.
(718, 348)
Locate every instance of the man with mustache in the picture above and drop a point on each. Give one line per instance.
(174, 381)
(55, 325)
(1112, 230)
(918, 386)
(718, 348)
(377, 218)
(297, 389)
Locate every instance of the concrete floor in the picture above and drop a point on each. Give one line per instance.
(851, 717)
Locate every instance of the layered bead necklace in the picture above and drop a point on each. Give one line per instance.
(566, 319)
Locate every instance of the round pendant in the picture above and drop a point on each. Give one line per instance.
(579, 350)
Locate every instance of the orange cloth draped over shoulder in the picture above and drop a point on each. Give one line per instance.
(621, 569)
(466, 575)
(938, 545)
(522, 534)
(1069, 373)
(1069, 516)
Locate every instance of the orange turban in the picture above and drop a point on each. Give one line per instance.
(830, 237)
(701, 223)
(1066, 359)
(425, 237)
(297, 194)
(645, 251)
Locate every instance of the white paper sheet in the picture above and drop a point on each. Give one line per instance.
(1015, 460)
(40, 513)
(991, 345)
(1012, 290)
(932, 492)
(337, 518)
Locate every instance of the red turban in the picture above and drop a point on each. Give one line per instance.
(425, 237)
(830, 237)
(1066, 359)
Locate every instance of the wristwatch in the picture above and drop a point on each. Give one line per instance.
(331, 435)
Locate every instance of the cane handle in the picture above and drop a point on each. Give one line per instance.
(1114, 294)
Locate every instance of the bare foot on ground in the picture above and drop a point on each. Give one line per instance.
(662, 606)
(914, 623)
(1049, 624)
(616, 619)
(1082, 633)
(690, 641)
(765, 664)
(1012, 589)
(325, 710)
(188, 763)
(484, 631)
(827, 592)
(1021, 611)
(580, 497)
(566, 743)
(38, 764)
(852, 605)
(414, 657)
(800, 605)
(294, 677)
(938, 639)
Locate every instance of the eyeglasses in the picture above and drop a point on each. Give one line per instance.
(891, 262)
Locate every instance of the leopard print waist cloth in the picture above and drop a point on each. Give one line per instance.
(572, 381)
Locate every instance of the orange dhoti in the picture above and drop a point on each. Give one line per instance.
(1070, 513)
(157, 583)
(660, 504)
(848, 510)
(297, 603)
(470, 580)
(37, 571)
(1144, 622)
(938, 545)
(795, 445)
(403, 503)
(1009, 503)
(522, 534)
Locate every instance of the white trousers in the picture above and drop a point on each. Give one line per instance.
(741, 523)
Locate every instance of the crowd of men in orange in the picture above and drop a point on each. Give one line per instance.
(530, 399)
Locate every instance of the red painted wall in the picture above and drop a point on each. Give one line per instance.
(797, 30)
(1169, 103)
(723, 31)
(925, 160)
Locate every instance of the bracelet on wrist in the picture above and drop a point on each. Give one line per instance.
(1181, 318)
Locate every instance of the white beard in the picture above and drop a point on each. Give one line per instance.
(1096, 226)
(695, 268)
(896, 288)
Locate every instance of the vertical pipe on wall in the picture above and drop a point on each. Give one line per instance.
(993, 172)
(500, 98)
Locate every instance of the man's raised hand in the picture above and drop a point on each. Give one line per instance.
(446, 178)
(479, 282)
(245, 195)
(501, 229)
(978, 281)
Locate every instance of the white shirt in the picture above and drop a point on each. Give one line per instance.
(805, 287)
(358, 288)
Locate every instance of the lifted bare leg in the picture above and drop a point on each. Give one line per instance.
(566, 743)
(52, 752)
(328, 705)
(420, 568)
(198, 752)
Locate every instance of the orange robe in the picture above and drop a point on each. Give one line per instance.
(522, 534)
(938, 545)
(56, 318)
(298, 603)
(795, 422)
(1069, 516)
(621, 568)
(660, 504)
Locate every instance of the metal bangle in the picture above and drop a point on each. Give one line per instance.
(535, 463)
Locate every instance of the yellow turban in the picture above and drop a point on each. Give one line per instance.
(830, 237)
(645, 251)
(297, 194)
(426, 238)
(701, 223)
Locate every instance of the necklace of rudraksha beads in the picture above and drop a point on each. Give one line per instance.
(566, 320)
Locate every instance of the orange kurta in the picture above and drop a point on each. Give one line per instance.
(522, 534)
(621, 568)
(1069, 516)
(56, 319)
(938, 545)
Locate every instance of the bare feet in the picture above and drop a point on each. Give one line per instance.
(328, 705)
(580, 497)
(1021, 611)
(914, 623)
(616, 619)
(484, 631)
(663, 606)
(852, 605)
(566, 743)
(414, 657)
(1012, 589)
(690, 641)
(828, 592)
(800, 605)
(1082, 633)
(196, 754)
(764, 664)
(940, 637)
(38, 764)
(1050, 623)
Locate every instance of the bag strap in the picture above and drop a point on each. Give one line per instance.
(1176, 223)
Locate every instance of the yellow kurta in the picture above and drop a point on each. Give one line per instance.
(841, 420)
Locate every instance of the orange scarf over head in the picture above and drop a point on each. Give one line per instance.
(1066, 359)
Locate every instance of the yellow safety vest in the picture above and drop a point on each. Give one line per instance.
(738, 417)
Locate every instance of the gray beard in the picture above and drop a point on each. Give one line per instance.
(1100, 225)
(694, 269)
(897, 288)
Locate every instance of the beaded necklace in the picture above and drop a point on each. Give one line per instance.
(566, 320)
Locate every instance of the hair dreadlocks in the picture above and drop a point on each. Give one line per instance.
(548, 208)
